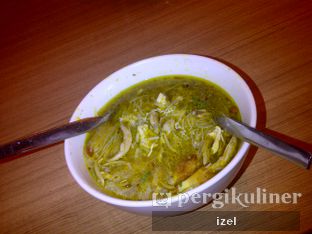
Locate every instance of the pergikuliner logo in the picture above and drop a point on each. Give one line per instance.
(229, 196)
(162, 199)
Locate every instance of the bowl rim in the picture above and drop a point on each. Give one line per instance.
(215, 179)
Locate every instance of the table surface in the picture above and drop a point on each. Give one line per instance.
(53, 52)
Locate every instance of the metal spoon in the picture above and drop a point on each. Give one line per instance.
(51, 136)
(246, 133)
(255, 137)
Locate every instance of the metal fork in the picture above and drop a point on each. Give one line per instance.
(50, 136)
(293, 153)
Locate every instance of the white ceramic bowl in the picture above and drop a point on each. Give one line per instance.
(194, 65)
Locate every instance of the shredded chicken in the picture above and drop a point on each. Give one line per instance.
(125, 145)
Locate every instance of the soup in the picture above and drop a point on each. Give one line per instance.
(161, 138)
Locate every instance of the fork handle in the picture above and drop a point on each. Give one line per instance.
(293, 153)
(48, 137)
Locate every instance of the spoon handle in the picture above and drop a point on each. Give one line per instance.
(293, 153)
(48, 137)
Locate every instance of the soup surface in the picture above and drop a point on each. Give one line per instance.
(161, 137)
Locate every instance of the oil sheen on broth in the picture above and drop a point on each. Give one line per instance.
(161, 137)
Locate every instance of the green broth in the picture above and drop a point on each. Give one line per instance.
(161, 137)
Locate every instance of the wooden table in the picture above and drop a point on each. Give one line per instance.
(53, 52)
